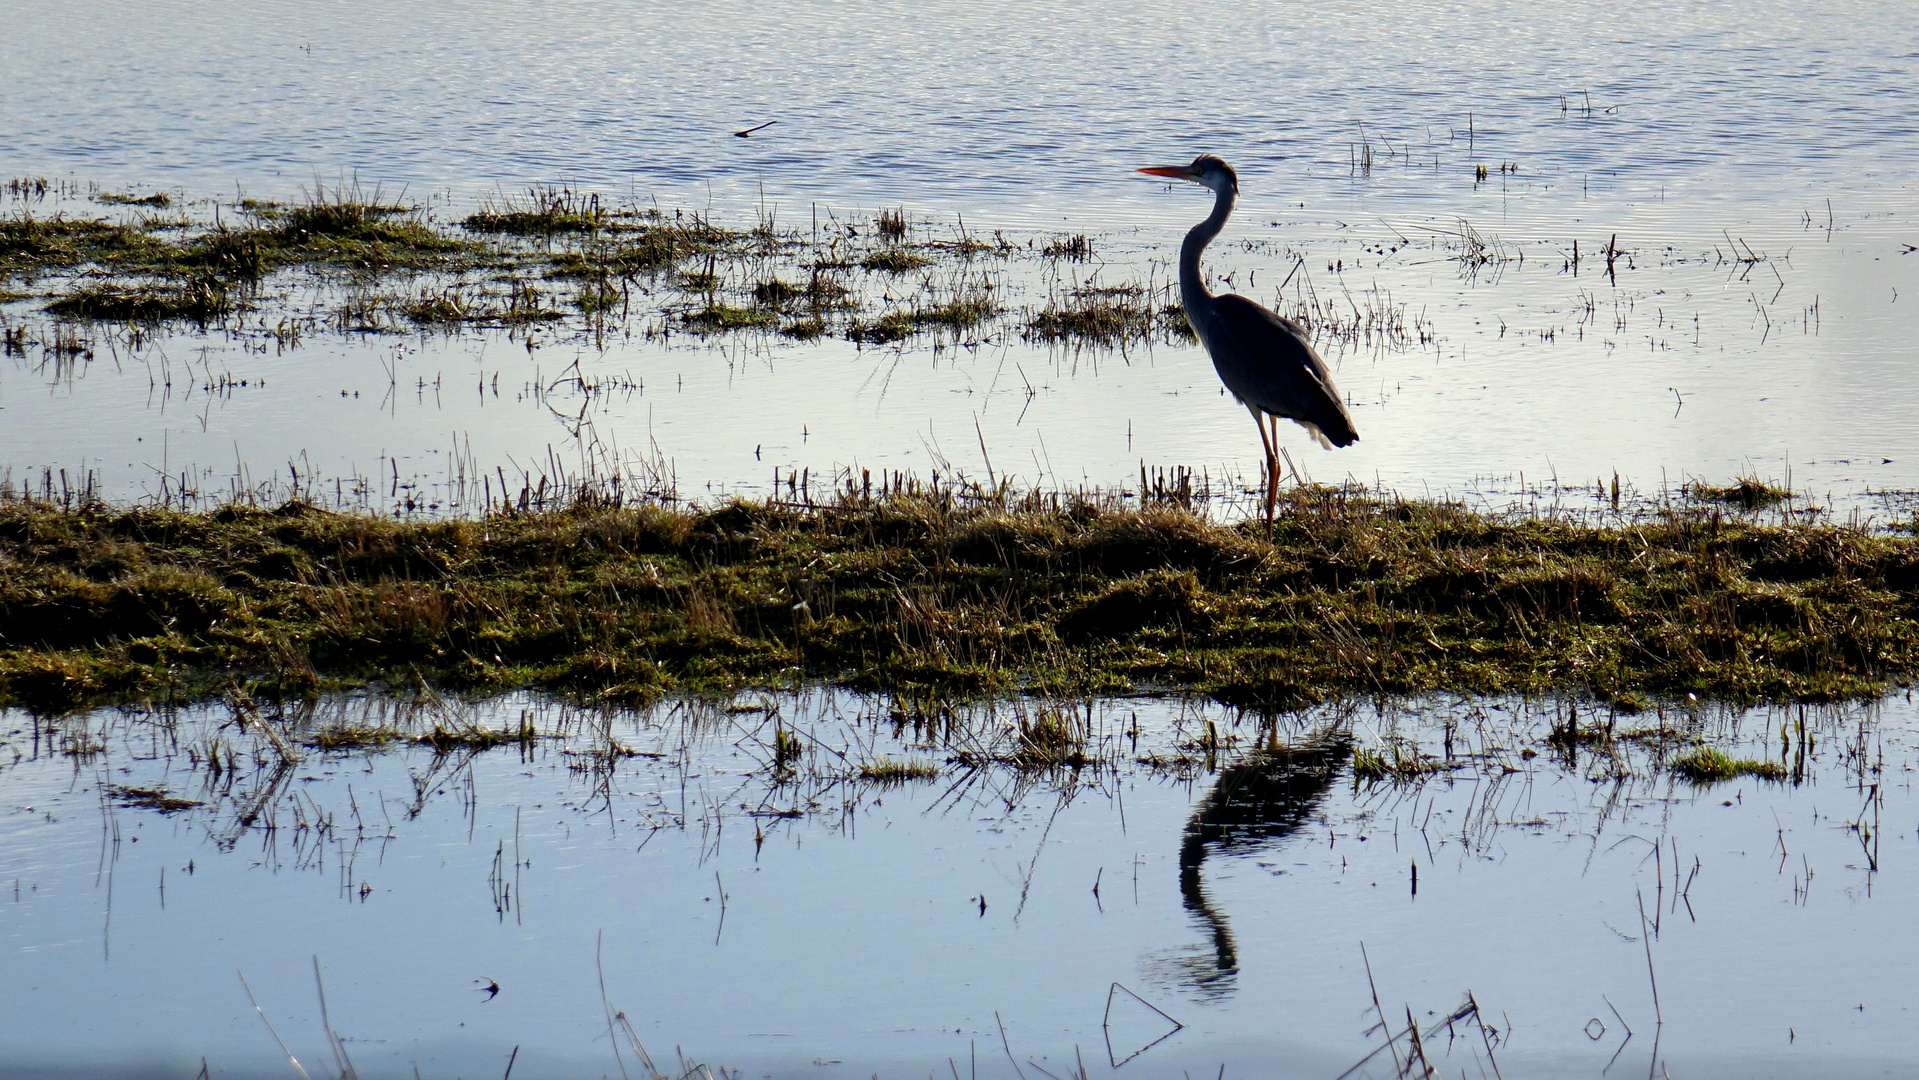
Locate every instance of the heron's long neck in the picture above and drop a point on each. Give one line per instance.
(1192, 291)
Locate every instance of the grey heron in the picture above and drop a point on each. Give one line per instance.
(1263, 357)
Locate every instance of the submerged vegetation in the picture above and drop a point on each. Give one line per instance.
(387, 266)
(951, 593)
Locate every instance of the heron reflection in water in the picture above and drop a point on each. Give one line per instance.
(1256, 803)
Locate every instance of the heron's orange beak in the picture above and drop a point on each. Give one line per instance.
(1171, 172)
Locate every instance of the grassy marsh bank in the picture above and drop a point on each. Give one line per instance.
(930, 593)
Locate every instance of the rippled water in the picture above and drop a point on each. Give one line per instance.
(962, 106)
(1681, 130)
(799, 918)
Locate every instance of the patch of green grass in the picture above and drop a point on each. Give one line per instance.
(1709, 765)
(803, 329)
(151, 799)
(895, 261)
(1106, 317)
(521, 304)
(1747, 493)
(955, 592)
(886, 770)
(157, 199)
(1051, 739)
(890, 327)
(30, 243)
(599, 299)
(967, 309)
(963, 311)
(242, 254)
(1393, 763)
(718, 317)
(348, 737)
(545, 210)
(776, 293)
(201, 301)
(349, 227)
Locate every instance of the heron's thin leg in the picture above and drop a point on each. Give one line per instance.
(1266, 442)
(1272, 496)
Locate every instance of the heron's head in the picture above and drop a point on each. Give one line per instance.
(1206, 170)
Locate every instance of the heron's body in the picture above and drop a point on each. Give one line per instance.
(1262, 357)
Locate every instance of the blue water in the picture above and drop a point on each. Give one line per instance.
(1678, 132)
(811, 922)
(995, 108)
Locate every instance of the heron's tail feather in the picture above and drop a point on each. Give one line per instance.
(1334, 431)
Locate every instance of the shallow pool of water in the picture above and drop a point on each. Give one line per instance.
(1682, 133)
(772, 904)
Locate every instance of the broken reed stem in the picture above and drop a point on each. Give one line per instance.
(1646, 939)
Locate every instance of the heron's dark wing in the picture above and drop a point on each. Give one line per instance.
(1266, 361)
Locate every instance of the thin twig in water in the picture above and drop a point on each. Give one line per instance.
(340, 1059)
(1658, 1018)
(1378, 1010)
(607, 1006)
(295, 1062)
(1004, 1045)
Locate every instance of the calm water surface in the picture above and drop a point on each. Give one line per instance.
(803, 919)
(823, 924)
(1678, 129)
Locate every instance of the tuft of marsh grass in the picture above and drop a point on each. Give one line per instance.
(887, 770)
(1709, 765)
(787, 748)
(1051, 738)
(891, 224)
(522, 303)
(31, 243)
(545, 210)
(151, 798)
(895, 261)
(1074, 248)
(1395, 762)
(803, 329)
(445, 737)
(1747, 493)
(157, 199)
(966, 308)
(718, 316)
(347, 737)
(776, 293)
(202, 301)
(1102, 316)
